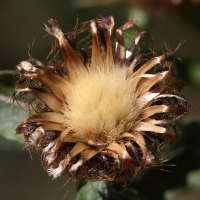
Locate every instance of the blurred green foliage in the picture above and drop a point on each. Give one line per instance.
(103, 190)
(11, 115)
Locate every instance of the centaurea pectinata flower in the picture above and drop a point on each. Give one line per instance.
(102, 114)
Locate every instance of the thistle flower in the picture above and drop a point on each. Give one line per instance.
(99, 116)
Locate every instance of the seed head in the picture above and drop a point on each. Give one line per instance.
(99, 116)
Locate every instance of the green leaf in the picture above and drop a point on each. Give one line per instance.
(103, 190)
(93, 191)
(193, 178)
(194, 73)
(11, 116)
(10, 119)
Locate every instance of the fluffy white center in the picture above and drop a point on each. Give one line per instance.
(101, 103)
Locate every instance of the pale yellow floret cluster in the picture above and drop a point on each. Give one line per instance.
(101, 102)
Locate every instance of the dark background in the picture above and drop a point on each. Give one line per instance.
(22, 21)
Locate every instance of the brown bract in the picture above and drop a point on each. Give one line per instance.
(104, 113)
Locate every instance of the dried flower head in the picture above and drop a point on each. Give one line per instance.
(99, 116)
